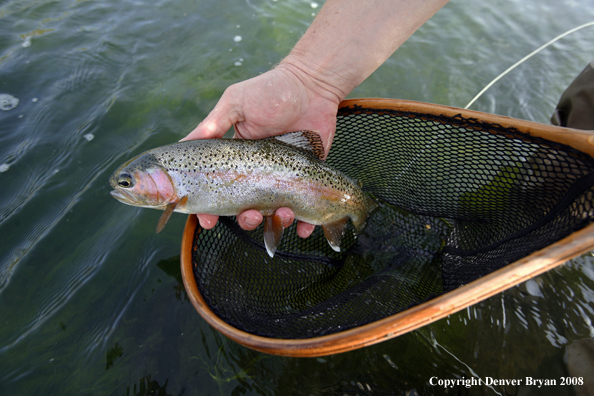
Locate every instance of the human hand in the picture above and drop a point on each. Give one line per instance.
(282, 100)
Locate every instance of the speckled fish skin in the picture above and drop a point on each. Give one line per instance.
(228, 176)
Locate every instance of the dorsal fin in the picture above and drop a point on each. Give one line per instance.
(307, 140)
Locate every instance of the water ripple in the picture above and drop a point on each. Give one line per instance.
(101, 334)
(88, 257)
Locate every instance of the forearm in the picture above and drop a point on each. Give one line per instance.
(350, 39)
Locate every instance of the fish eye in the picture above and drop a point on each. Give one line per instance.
(125, 180)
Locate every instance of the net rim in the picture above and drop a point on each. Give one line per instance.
(581, 140)
(392, 326)
(437, 308)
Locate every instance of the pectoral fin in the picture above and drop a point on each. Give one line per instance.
(168, 211)
(334, 232)
(273, 232)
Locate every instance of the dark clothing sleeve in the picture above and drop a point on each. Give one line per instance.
(576, 106)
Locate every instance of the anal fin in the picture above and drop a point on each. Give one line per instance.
(334, 232)
(168, 212)
(273, 233)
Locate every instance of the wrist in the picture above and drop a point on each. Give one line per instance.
(316, 78)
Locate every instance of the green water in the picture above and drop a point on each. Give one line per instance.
(91, 301)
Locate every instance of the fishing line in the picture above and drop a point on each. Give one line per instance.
(530, 55)
(433, 341)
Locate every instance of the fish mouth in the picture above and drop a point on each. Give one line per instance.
(131, 199)
(123, 197)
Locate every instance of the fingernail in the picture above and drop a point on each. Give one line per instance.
(286, 221)
(204, 223)
(250, 222)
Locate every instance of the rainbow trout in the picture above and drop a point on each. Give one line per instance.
(228, 176)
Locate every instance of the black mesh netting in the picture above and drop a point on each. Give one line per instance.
(459, 198)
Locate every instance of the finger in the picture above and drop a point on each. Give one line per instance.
(250, 219)
(304, 230)
(287, 216)
(207, 221)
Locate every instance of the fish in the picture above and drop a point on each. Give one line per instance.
(228, 176)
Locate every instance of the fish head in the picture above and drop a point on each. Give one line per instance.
(144, 183)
